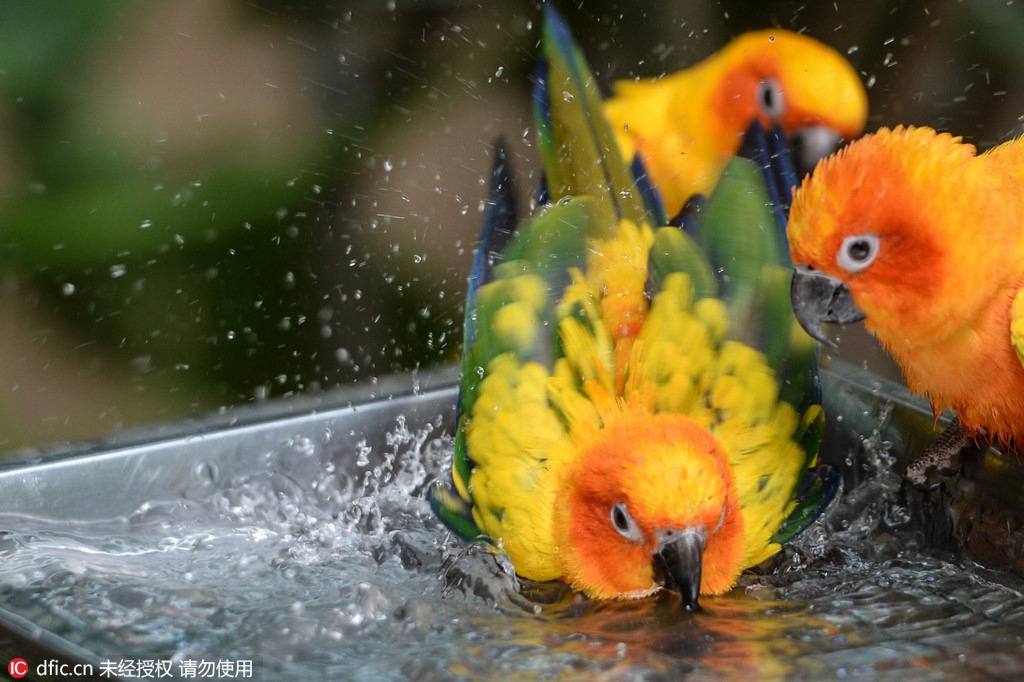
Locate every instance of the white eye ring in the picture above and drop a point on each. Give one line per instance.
(857, 252)
(770, 101)
(625, 524)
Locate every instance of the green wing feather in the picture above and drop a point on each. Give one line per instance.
(749, 252)
(577, 147)
(541, 253)
(676, 251)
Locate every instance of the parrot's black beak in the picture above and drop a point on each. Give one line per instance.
(677, 564)
(810, 145)
(819, 298)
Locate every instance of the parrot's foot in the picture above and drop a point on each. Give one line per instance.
(940, 459)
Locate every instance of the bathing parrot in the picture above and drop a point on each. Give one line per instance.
(912, 231)
(686, 126)
(638, 409)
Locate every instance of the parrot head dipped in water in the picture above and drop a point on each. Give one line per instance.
(638, 407)
(912, 231)
(686, 126)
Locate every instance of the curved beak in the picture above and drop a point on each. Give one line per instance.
(811, 144)
(819, 298)
(677, 563)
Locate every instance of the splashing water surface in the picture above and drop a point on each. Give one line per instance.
(321, 564)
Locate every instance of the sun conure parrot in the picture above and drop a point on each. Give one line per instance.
(638, 406)
(914, 232)
(686, 126)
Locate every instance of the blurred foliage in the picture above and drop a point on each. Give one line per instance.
(205, 204)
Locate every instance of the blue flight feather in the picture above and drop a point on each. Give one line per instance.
(770, 150)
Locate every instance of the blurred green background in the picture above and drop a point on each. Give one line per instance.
(210, 203)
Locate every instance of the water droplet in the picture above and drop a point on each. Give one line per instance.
(67, 288)
(363, 454)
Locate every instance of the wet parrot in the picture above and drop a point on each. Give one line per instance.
(914, 232)
(639, 409)
(686, 126)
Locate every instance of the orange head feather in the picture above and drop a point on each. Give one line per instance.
(644, 478)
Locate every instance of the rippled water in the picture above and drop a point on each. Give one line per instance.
(321, 572)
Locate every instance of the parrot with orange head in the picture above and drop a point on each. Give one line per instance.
(914, 232)
(639, 409)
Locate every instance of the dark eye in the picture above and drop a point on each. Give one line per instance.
(857, 252)
(769, 99)
(625, 524)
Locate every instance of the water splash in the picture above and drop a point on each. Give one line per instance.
(321, 565)
(874, 505)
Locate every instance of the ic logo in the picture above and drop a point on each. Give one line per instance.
(17, 668)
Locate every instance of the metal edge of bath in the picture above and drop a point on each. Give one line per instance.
(101, 481)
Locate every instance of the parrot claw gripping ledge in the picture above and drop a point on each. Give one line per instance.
(639, 408)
